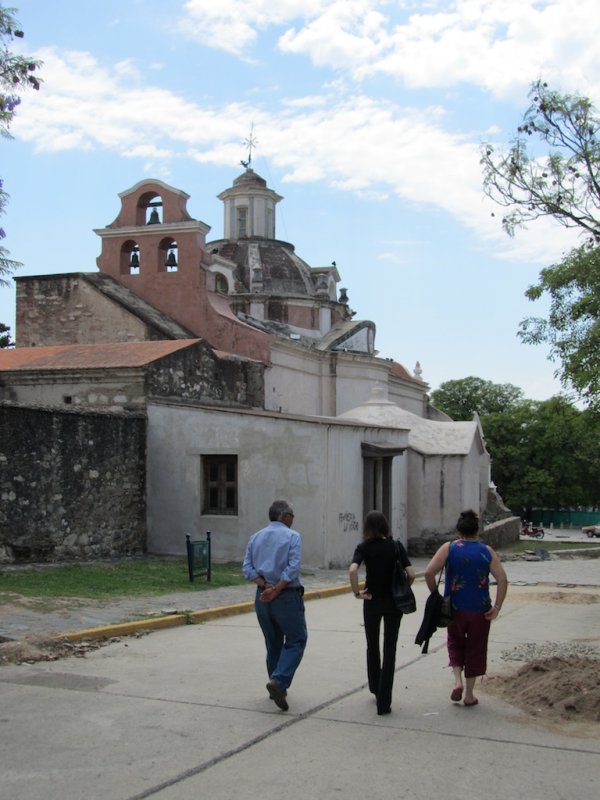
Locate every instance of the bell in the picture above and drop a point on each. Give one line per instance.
(134, 261)
(154, 218)
(171, 261)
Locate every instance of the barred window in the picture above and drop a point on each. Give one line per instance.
(220, 485)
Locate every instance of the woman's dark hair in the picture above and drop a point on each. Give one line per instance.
(468, 523)
(376, 526)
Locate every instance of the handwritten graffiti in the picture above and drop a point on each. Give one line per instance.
(348, 521)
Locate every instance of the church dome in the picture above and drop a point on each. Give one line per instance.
(250, 178)
(282, 271)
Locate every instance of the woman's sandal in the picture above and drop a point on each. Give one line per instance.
(472, 702)
(456, 695)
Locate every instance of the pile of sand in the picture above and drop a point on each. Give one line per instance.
(557, 687)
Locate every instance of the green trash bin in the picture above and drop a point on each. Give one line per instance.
(198, 557)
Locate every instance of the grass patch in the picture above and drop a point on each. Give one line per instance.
(545, 544)
(114, 580)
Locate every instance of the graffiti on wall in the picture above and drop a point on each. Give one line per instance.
(348, 521)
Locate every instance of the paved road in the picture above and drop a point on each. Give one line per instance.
(183, 714)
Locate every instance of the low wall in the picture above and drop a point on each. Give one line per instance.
(502, 533)
(496, 534)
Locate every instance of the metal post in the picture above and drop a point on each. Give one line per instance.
(209, 567)
(190, 557)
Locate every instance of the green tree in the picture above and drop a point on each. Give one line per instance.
(565, 185)
(572, 329)
(16, 74)
(7, 265)
(544, 454)
(5, 336)
(461, 398)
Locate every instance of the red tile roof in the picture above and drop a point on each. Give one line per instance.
(401, 372)
(89, 356)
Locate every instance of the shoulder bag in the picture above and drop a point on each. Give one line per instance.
(444, 616)
(402, 593)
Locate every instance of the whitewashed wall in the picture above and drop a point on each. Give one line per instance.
(440, 487)
(110, 392)
(316, 464)
(309, 382)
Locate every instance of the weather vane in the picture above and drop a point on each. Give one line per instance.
(250, 142)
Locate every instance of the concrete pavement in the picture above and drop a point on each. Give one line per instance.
(183, 713)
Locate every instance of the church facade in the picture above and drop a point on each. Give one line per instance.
(254, 376)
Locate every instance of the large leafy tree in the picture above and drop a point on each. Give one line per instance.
(520, 481)
(17, 73)
(462, 398)
(562, 183)
(545, 454)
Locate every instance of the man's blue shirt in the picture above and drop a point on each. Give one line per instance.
(275, 553)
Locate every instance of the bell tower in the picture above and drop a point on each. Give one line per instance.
(153, 235)
(158, 251)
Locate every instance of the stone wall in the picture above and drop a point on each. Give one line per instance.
(72, 484)
(197, 374)
(65, 309)
(496, 534)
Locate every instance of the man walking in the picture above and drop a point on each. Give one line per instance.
(272, 560)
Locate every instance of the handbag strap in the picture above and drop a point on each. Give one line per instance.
(398, 552)
(440, 577)
(443, 568)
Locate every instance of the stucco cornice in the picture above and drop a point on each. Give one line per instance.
(164, 228)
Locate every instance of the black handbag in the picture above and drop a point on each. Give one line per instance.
(404, 598)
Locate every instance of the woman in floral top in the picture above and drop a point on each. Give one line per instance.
(468, 565)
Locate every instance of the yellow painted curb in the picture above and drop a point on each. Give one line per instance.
(185, 618)
(125, 628)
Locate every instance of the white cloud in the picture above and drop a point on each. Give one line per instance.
(86, 105)
(498, 45)
(355, 143)
(232, 25)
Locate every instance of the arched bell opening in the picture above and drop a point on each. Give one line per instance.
(150, 209)
(168, 256)
(130, 259)
(221, 284)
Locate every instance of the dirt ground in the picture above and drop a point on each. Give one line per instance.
(557, 681)
(40, 648)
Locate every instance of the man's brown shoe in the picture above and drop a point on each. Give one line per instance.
(277, 695)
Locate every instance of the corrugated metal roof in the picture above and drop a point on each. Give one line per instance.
(90, 356)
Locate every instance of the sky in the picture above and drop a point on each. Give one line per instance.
(368, 117)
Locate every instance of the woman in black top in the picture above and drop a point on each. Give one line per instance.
(378, 552)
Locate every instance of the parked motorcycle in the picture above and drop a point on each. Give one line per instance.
(527, 529)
